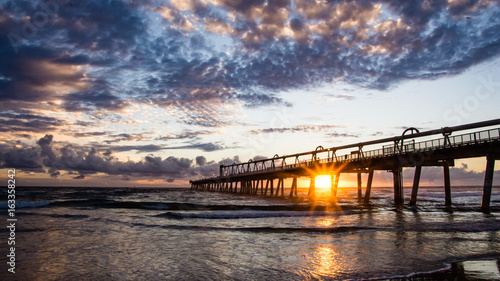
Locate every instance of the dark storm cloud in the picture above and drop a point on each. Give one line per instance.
(28, 77)
(57, 37)
(201, 160)
(26, 121)
(97, 97)
(82, 59)
(27, 159)
(88, 161)
(286, 45)
(422, 40)
(84, 161)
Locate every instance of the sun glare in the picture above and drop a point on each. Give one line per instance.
(323, 181)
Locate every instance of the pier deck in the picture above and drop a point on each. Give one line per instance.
(408, 150)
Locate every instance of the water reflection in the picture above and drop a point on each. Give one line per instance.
(327, 222)
(326, 262)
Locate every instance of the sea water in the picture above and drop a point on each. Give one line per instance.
(181, 234)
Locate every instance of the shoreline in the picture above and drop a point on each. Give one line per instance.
(483, 268)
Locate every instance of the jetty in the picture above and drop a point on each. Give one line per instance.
(439, 147)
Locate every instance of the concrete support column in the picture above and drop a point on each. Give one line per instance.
(312, 187)
(281, 183)
(416, 182)
(398, 186)
(488, 183)
(293, 189)
(360, 193)
(447, 183)
(369, 186)
(333, 188)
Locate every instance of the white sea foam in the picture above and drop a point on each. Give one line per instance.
(248, 214)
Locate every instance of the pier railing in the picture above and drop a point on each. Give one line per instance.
(397, 148)
(394, 154)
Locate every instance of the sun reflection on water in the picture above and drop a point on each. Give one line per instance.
(326, 222)
(326, 262)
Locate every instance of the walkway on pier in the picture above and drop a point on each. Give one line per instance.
(392, 154)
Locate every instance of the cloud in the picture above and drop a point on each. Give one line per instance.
(26, 121)
(99, 96)
(106, 55)
(201, 160)
(186, 135)
(85, 161)
(34, 76)
(333, 97)
(90, 134)
(259, 100)
(434, 175)
(341, 135)
(79, 177)
(297, 129)
(208, 147)
(42, 65)
(204, 121)
(138, 148)
(125, 137)
(27, 159)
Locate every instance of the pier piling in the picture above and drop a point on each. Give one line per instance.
(416, 182)
(369, 186)
(398, 186)
(393, 155)
(447, 183)
(360, 193)
(488, 183)
(312, 187)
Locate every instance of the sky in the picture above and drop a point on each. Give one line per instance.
(155, 93)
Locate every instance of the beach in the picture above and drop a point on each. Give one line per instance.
(180, 234)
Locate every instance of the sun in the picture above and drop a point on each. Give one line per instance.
(323, 181)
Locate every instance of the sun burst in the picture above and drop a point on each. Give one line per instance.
(323, 181)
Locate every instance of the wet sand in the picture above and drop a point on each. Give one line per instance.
(476, 270)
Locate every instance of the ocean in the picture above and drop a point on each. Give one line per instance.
(182, 234)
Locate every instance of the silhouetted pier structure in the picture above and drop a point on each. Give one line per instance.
(395, 154)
